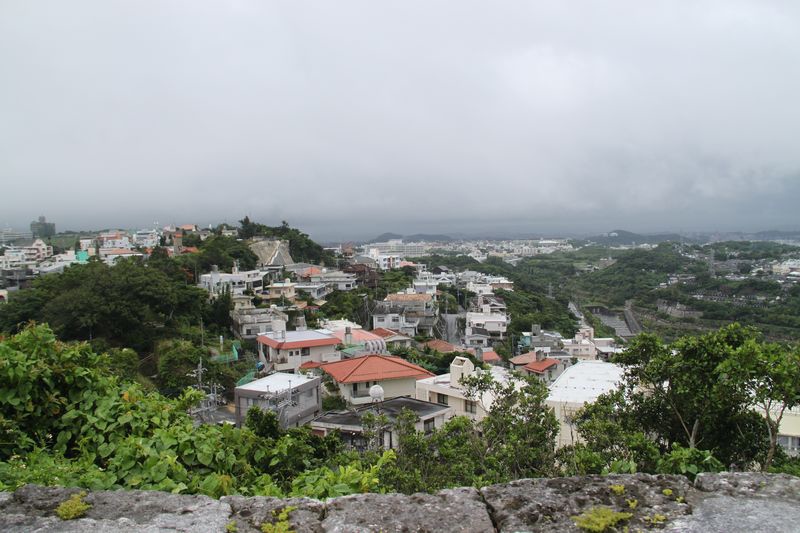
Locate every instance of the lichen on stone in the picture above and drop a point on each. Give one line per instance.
(73, 507)
(600, 519)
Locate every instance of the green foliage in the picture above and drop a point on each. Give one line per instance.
(688, 462)
(129, 304)
(67, 421)
(221, 251)
(600, 519)
(635, 272)
(324, 483)
(74, 507)
(333, 403)
(520, 428)
(676, 393)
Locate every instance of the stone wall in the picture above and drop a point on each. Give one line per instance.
(714, 503)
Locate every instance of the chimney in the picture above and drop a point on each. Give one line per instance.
(348, 336)
(539, 355)
(536, 330)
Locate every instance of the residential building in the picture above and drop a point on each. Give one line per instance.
(250, 321)
(447, 389)
(294, 398)
(287, 350)
(441, 346)
(335, 279)
(146, 238)
(365, 275)
(350, 424)
(114, 240)
(10, 236)
(789, 432)
(399, 248)
(490, 304)
(577, 386)
(318, 291)
(416, 307)
(393, 339)
(237, 282)
(112, 255)
(484, 329)
(480, 288)
(282, 290)
(384, 261)
(354, 377)
(539, 338)
(357, 341)
(386, 315)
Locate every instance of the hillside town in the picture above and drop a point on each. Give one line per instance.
(305, 360)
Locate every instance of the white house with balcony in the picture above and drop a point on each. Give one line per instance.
(216, 282)
(484, 329)
(287, 350)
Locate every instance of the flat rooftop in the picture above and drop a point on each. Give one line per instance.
(277, 382)
(585, 381)
(390, 408)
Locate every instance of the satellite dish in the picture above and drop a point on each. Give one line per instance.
(376, 393)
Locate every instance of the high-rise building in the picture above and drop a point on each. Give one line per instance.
(42, 228)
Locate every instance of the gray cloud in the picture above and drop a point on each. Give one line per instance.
(352, 118)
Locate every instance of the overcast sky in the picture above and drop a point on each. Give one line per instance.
(352, 118)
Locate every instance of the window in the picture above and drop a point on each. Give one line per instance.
(429, 426)
(305, 351)
(470, 406)
(441, 398)
(355, 388)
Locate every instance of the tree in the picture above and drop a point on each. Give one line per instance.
(770, 375)
(520, 428)
(677, 394)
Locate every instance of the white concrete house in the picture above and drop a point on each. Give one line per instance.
(288, 350)
(447, 389)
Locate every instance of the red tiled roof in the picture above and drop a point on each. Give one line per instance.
(357, 335)
(408, 297)
(386, 333)
(441, 346)
(538, 367)
(491, 356)
(374, 368)
(523, 359)
(311, 364)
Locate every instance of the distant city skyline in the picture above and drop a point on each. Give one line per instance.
(350, 119)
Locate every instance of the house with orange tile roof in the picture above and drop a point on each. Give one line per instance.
(286, 351)
(487, 356)
(440, 346)
(355, 377)
(393, 339)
